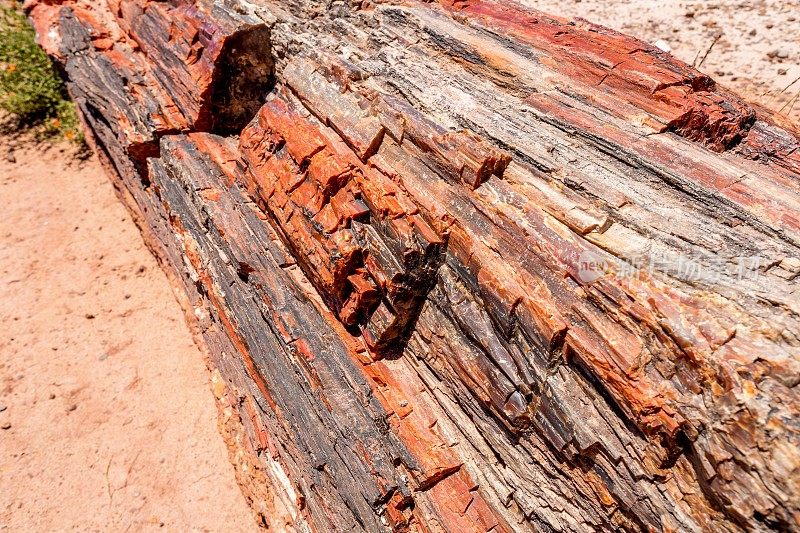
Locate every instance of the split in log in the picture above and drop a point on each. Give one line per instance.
(464, 266)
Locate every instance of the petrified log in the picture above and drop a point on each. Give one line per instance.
(463, 266)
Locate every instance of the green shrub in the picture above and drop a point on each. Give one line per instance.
(30, 87)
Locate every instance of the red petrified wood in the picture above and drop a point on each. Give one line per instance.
(461, 266)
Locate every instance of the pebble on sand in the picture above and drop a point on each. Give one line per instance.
(780, 53)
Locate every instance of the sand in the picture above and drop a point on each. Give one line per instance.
(112, 420)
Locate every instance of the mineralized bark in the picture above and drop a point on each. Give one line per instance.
(464, 266)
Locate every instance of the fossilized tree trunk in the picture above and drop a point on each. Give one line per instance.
(462, 266)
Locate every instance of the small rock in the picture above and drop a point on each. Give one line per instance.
(782, 72)
(3, 408)
(10, 157)
(689, 14)
(6, 425)
(71, 407)
(103, 357)
(753, 32)
(89, 316)
(769, 25)
(663, 45)
(217, 384)
(783, 54)
(52, 396)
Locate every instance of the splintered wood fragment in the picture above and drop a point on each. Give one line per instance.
(461, 266)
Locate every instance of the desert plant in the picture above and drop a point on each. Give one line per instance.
(30, 87)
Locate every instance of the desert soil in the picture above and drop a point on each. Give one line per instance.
(110, 423)
(109, 420)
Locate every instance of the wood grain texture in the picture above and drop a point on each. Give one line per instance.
(466, 266)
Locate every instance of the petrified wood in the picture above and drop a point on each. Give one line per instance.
(462, 266)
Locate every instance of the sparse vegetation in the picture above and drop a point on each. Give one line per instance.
(31, 90)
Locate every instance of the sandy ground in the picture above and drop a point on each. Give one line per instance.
(757, 48)
(108, 419)
(106, 415)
